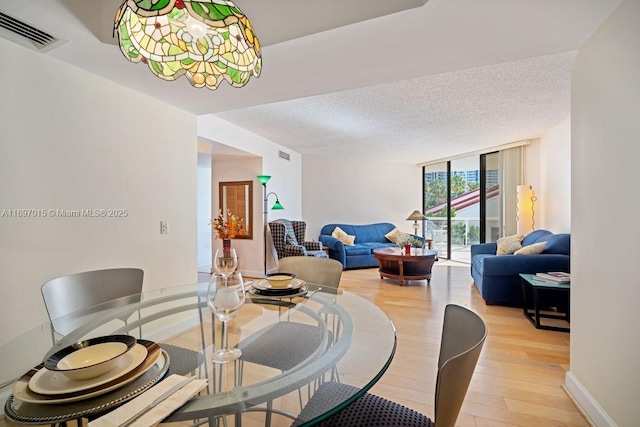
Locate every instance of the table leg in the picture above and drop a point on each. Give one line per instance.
(401, 272)
(525, 305)
(536, 307)
(535, 316)
(523, 286)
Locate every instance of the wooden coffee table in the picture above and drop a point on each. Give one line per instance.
(393, 264)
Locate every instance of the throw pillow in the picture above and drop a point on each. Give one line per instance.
(392, 236)
(509, 244)
(345, 238)
(289, 233)
(533, 249)
(396, 235)
(290, 240)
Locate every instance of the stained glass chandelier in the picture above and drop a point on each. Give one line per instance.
(207, 40)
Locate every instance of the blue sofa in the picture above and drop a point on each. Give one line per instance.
(497, 277)
(368, 238)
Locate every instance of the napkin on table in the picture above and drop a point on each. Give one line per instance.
(154, 415)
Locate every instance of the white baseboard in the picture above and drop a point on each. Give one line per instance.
(589, 406)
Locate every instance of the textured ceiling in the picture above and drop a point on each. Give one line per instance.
(425, 118)
(403, 81)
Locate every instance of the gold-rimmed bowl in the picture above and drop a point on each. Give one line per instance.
(280, 280)
(90, 358)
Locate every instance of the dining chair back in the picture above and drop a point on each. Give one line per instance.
(118, 286)
(79, 291)
(326, 272)
(463, 336)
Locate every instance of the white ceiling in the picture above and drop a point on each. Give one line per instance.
(399, 80)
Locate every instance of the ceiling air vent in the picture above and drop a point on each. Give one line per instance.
(283, 155)
(27, 35)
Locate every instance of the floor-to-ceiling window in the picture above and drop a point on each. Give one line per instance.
(436, 206)
(462, 204)
(465, 207)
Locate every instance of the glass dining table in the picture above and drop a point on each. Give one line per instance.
(354, 343)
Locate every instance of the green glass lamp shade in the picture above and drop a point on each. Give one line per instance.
(277, 206)
(207, 41)
(264, 179)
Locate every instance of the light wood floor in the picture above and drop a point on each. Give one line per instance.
(520, 375)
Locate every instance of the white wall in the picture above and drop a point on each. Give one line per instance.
(286, 179)
(358, 191)
(555, 178)
(548, 171)
(204, 208)
(250, 261)
(72, 140)
(605, 343)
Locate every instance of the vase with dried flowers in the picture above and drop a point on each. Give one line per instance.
(228, 228)
(406, 242)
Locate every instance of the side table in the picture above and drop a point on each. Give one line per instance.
(528, 282)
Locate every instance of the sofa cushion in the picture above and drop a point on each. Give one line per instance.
(556, 244)
(512, 265)
(509, 244)
(533, 249)
(377, 245)
(357, 249)
(396, 235)
(478, 264)
(345, 238)
(534, 236)
(371, 233)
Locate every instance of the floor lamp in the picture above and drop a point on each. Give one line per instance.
(277, 206)
(525, 220)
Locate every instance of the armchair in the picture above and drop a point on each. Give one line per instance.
(288, 239)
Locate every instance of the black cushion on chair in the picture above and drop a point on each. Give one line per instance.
(182, 361)
(368, 411)
(282, 345)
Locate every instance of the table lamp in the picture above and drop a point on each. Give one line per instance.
(415, 217)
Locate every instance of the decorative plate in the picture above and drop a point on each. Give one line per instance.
(22, 392)
(263, 285)
(54, 383)
(278, 294)
(38, 413)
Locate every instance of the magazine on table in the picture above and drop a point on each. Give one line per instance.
(554, 277)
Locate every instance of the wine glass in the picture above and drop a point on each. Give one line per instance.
(225, 297)
(226, 261)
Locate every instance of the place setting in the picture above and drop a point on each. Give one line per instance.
(87, 377)
(278, 285)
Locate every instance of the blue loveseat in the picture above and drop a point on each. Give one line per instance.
(497, 276)
(368, 238)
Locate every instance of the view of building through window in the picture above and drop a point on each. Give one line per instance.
(464, 213)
